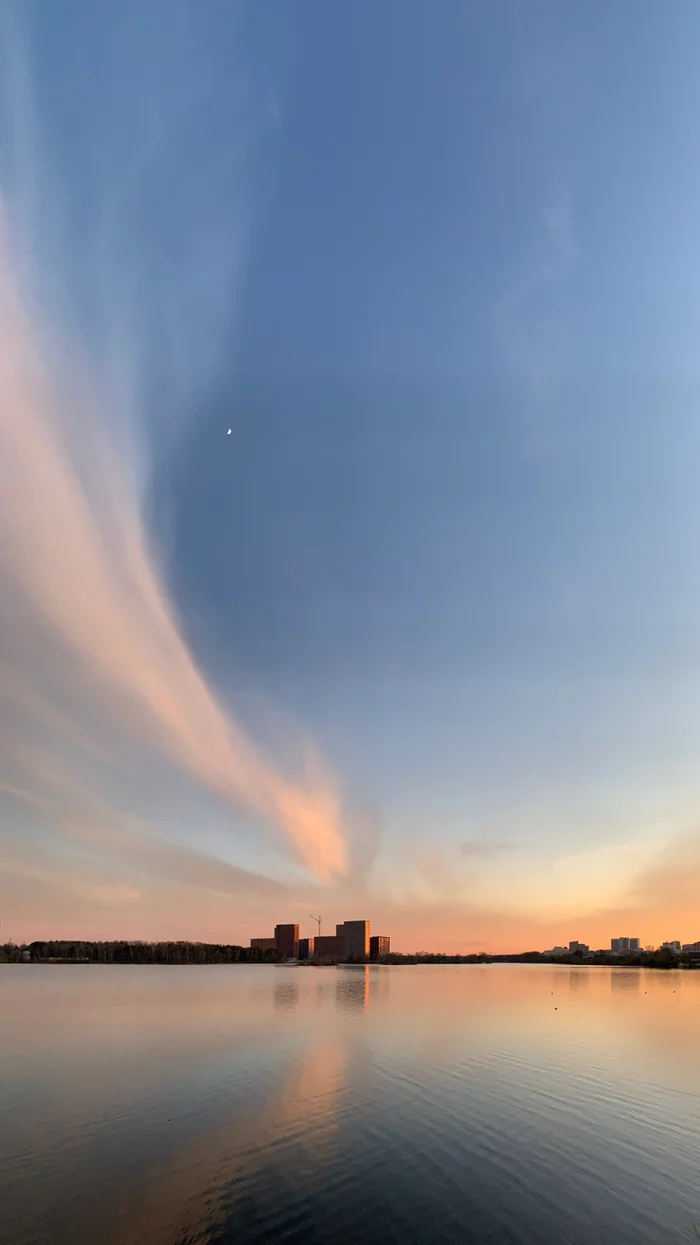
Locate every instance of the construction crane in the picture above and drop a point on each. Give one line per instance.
(317, 919)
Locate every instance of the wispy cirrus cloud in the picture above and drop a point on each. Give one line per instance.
(82, 593)
(95, 671)
(98, 895)
(118, 839)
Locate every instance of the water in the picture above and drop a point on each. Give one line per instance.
(170, 1106)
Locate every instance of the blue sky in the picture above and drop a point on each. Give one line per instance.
(433, 267)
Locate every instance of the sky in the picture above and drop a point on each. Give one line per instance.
(348, 459)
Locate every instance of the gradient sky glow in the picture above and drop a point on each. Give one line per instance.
(418, 641)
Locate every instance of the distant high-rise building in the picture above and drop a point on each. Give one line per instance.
(578, 946)
(287, 940)
(673, 946)
(356, 939)
(379, 946)
(620, 946)
(339, 931)
(328, 947)
(262, 944)
(306, 948)
(691, 946)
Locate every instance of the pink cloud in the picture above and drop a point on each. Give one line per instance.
(89, 635)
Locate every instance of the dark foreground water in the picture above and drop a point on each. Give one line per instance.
(168, 1106)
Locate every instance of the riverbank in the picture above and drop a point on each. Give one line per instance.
(123, 952)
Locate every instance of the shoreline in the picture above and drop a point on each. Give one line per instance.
(688, 963)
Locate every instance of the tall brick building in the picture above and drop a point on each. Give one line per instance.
(287, 941)
(356, 940)
(328, 947)
(379, 946)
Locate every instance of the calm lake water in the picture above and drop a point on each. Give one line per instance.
(503, 1103)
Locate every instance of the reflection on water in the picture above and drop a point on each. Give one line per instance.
(579, 978)
(437, 1104)
(357, 985)
(352, 989)
(286, 996)
(626, 979)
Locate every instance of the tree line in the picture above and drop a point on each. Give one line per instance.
(123, 952)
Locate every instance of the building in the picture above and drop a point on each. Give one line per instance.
(379, 946)
(339, 931)
(691, 946)
(356, 940)
(306, 948)
(263, 944)
(581, 948)
(672, 946)
(287, 941)
(328, 947)
(622, 946)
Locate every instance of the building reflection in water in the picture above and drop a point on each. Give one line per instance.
(323, 993)
(352, 989)
(579, 978)
(286, 996)
(625, 979)
(357, 986)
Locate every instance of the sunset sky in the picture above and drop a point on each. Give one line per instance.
(417, 641)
